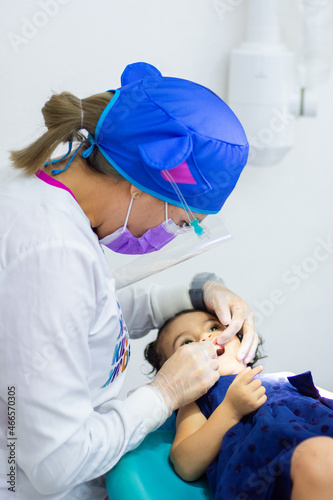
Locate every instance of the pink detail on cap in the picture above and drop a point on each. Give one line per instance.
(180, 174)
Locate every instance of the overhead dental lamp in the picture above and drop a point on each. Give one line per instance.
(268, 86)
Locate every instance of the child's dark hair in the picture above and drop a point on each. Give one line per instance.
(156, 360)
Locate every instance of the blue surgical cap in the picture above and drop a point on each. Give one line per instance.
(158, 128)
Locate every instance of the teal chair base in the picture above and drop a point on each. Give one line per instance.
(146, 473)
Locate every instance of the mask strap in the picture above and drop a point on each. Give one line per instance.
(166, 211)
(128, 213)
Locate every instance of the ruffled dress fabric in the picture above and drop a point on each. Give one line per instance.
(255, 456)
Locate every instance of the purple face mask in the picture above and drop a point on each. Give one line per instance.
(122, 241)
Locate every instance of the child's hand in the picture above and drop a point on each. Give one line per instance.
(245, 394)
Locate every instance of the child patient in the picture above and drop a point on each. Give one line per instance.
(256, 436)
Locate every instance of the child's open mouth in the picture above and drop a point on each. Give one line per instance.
(219, 350)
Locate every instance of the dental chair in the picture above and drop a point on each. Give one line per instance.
(146, 473)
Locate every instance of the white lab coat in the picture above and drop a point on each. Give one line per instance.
(64, 349)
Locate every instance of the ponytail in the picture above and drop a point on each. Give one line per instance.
(62, 117)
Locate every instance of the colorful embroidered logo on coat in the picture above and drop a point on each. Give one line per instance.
(121, 352)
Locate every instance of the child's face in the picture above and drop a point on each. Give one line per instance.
(194, 327)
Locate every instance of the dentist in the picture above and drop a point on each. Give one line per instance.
(161, 154)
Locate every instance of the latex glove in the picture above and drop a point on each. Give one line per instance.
(188, 374)
(234, 312)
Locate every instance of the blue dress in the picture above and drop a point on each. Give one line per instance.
(255, 456)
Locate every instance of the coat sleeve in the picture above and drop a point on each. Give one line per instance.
(45, 320)
(147, 308)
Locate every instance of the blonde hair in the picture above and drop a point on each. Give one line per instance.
(62, 117)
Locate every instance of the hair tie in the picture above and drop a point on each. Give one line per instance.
(81, 114)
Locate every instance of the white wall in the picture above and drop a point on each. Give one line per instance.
(279, 216)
